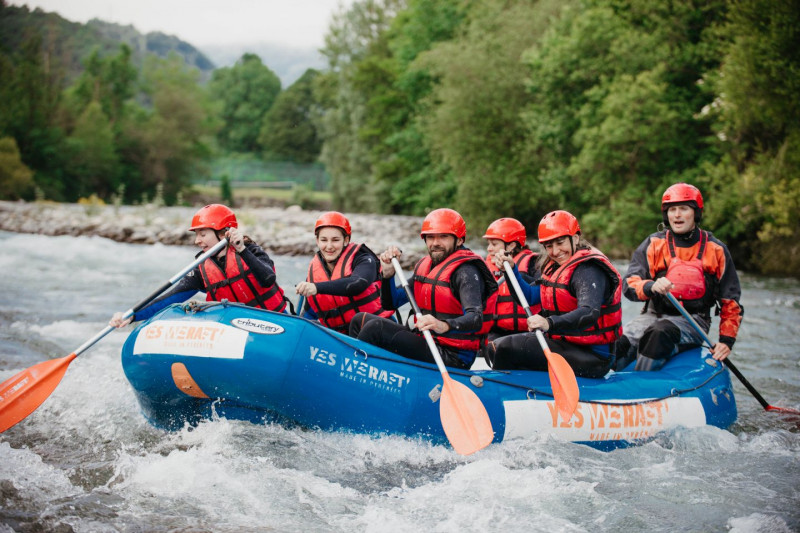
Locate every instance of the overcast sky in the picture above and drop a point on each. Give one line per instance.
(295, 23)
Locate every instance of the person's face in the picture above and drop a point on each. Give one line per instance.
(205, 238)
(681, 218)
(331, 241)
(561, 249)
(496, 245)
(440, 245)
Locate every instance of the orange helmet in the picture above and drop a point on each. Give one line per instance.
(214, 216)
(682, 193)
(444, 220)
(334, 219)
(507, 230)
(558, 224)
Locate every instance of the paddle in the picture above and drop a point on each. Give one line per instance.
(562, 377)
(21, 394)
(728, 362)
(464, 418)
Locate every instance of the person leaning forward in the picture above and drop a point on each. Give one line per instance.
(454, 289)
(696, 268)
(579, 291)
(241, 272)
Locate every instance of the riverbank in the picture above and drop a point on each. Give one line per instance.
(285, 231)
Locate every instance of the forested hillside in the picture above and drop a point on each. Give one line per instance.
(514, 108)
(492, 107)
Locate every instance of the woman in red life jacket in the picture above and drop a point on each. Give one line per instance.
(696, 268)
(579, 291)
(242, 272)
(508, 235)
(343, 277)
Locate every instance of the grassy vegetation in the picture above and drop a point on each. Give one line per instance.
(299, 195)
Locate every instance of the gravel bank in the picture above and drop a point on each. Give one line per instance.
(286, 231)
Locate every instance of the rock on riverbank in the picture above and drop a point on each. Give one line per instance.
(286, 231)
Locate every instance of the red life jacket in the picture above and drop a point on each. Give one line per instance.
(557, 300)
(687, 277)
(435, 296)
(497, 273)
(509, 315)
(238, 284)
(336, 312)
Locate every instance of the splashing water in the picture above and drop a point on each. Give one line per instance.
(86, 460)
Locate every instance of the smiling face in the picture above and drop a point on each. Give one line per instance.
(561, 249)
(205, 238)
(681, 218)
(331, 241)
(441, 245)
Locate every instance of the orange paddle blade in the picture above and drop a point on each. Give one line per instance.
(464, 418)
(21, 394)
(563, 383)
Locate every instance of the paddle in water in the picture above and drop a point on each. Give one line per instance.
(562, 377)
(727, 361)
(23, 393)
(464, 418)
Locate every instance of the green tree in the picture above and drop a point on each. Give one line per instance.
(33, 88)
(16, 180)
(245, 93)
(757, 183)
(288, 131)
(475, 126)
(352, 36)
(110, 81)
(92, 155)
(168, 143)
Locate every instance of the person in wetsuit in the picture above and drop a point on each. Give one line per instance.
(454, 289)
(580, 294)
(241, 272)
(343, 277)
(696, 268)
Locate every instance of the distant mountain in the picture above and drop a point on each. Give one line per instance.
(156, 43)
(72, 42)
(288, 63)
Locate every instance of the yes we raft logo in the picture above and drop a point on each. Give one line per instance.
(359, 371)
(194, 339)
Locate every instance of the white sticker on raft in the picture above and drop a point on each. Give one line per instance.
(197, 339)
(599, 422)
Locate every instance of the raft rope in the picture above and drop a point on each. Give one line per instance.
(194, 307)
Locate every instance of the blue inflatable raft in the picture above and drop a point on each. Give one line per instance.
(242, 363)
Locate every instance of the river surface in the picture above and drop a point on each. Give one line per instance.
(86, 460)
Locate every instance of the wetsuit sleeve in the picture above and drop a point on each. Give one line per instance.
(187, 286)
(366, 270)
(530, 289)
(590, 286)
(259, 263)
(392, 296)
(637, 282)
(730, 290)
(469, 288)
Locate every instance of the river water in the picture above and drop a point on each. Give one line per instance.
(86, 460)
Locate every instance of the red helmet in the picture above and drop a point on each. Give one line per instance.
(334, 219)
(682, 193)
(214, 216)
(507, 230)
(558, 224)
(444, 221)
